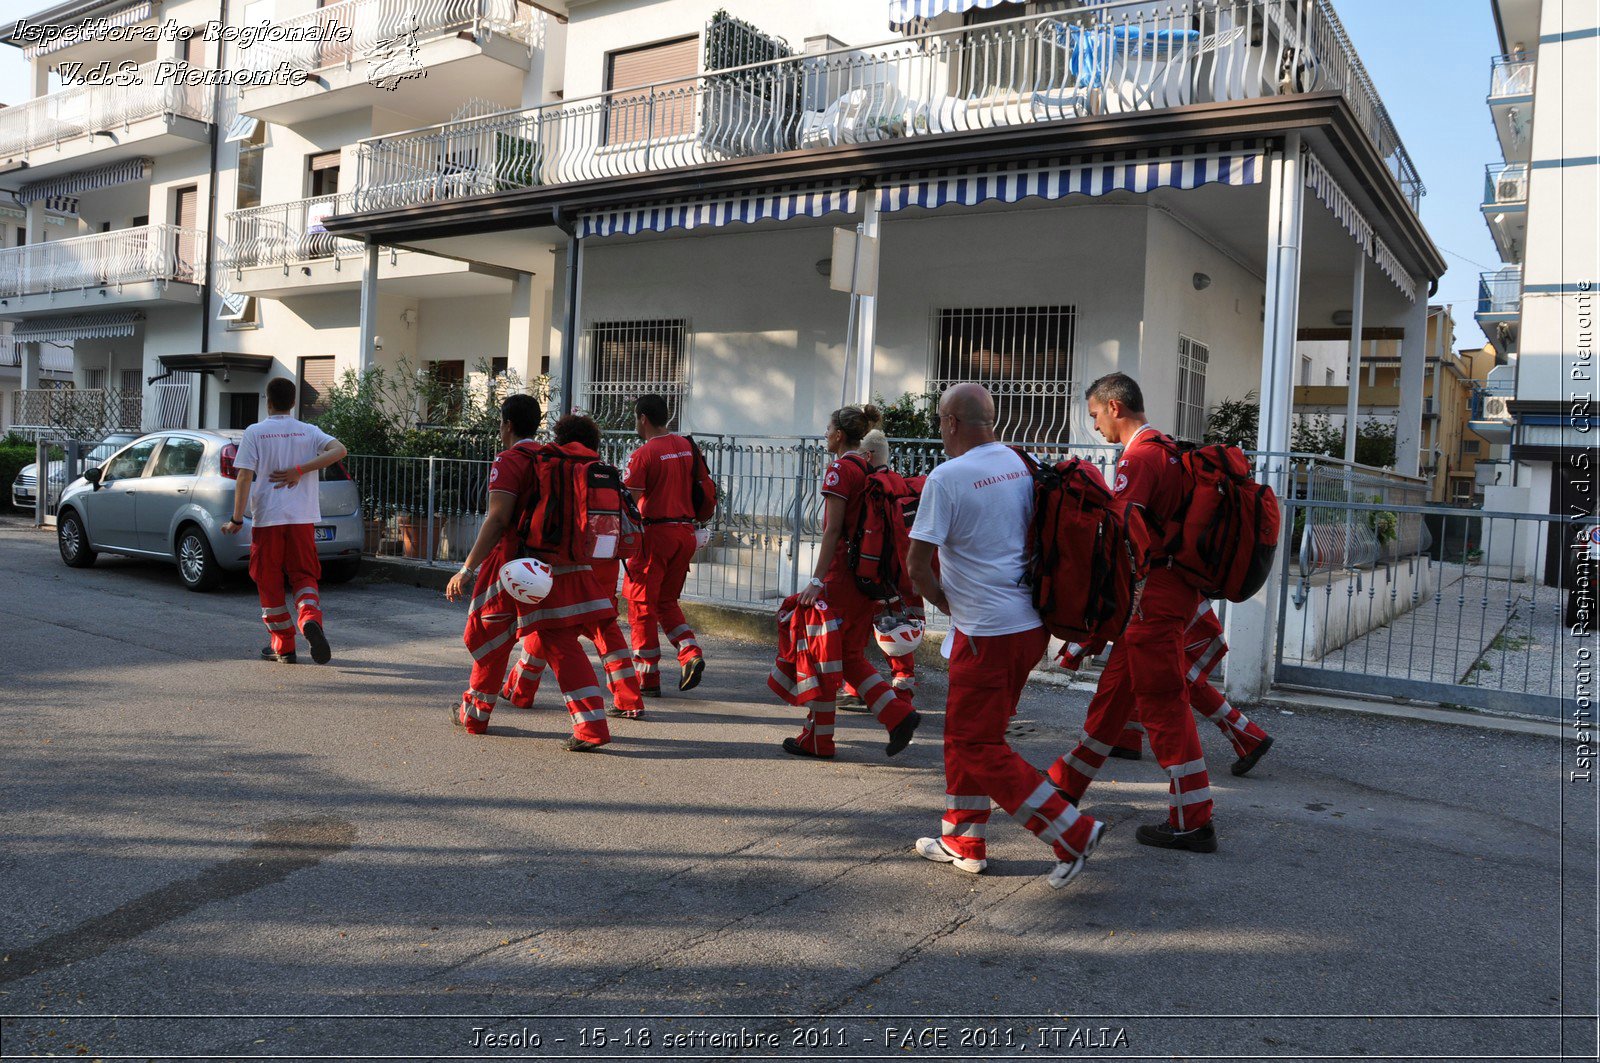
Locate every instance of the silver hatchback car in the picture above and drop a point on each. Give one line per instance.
(168, 494)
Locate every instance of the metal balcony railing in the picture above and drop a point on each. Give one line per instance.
(1105, 58)
(52, 358)
(83, 110)
(382, 32)
(1510, 76)
(1500, 292)
(80, 413)
(1506, 184)
(143, 253)
(287, 233)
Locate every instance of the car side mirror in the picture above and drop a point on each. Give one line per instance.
(93, 476)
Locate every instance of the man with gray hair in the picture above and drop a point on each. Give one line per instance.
(975, 511)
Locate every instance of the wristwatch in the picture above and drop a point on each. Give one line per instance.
(815, 582)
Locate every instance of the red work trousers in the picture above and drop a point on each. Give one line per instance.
(856, 612)
(615, 657)
(1145, 679)
(652, 587)
(285, 555)
(987, 674)
(494, 620)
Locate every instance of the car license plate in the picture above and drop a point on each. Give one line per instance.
(323, 533)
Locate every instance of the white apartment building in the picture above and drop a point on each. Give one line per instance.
(1542, 204)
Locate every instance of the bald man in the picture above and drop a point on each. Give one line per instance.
(975, 511)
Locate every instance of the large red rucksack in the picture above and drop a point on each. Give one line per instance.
(1224, 537)
(575, 510)
(1088, 553)
(876, 547)
(702, 487)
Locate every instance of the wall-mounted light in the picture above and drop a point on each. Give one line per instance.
(1202, 281)
(824, 267)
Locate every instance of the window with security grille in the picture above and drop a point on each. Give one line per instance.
(1192, 360)
(628, 359)
(1022, 354)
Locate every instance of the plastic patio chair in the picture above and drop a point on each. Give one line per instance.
(1092, 51)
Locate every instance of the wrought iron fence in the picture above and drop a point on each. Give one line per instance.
(83, 110)
(142, 253)
(1099, 59)
(287, 234)
(80, 413)
(1481, 616)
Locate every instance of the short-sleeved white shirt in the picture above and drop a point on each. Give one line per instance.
(277, 443)
(976, 510)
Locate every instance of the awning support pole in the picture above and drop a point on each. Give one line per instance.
(369, 309)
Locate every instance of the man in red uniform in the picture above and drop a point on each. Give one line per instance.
(660, 474)
(495, 618)
(523, 683)
(1146, 673)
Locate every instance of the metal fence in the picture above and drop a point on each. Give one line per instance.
(156, 89)
(1481, 615)
(286, 234)
(1098, 59)
(142, 253)
(83, 413)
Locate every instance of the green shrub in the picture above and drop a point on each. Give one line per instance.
(16, 452)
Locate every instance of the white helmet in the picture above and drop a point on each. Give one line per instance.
(897, 634)
(702, 536)
(527, 579)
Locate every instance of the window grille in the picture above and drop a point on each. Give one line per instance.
(97, 379)
(628, 359)
(1192, 360)
(1022, 354)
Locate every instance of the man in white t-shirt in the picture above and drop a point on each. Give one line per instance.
(283, 552)
(975, 510)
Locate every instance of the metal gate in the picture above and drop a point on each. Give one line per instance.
(1460, 614)
(57, 463)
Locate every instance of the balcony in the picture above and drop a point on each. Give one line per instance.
(1104, 59)
(1499, 298)
(125, 268)
(1505, 208)
(52, 357)
(87, 413)
(465, 49)
(282, 250)
(1511, 104)
(91, 125)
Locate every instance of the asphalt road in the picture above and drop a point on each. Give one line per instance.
(185, 831)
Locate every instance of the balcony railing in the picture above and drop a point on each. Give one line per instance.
(1506, 184)
(52, 358)
(1500, 292)
(79, 413)
(287, 233)
(143, 253)
(383, 31)
(1510, 76)
(1103, 59)
(83, 110)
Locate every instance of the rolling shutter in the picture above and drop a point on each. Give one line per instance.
(316, 377)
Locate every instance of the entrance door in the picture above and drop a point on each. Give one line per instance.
(244, 409)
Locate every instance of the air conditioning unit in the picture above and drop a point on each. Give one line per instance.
(1496, 408)
(1509, 190)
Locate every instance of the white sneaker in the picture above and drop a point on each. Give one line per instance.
(1067, 870)
(934, 849)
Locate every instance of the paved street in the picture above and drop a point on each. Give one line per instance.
(189, 831)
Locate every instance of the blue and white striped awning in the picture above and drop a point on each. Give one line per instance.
(61, 193)
(130, 15)
(904, 11)
(767, 204)
(109, 325)
(1235, 163)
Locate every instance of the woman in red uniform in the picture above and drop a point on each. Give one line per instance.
(842, 486)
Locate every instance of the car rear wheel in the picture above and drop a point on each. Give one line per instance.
(197, 565)
(73, 541)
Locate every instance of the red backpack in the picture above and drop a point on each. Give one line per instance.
(1222, 541)
(576, 510)
(1088, 553)
(702, 487)
(876, 551)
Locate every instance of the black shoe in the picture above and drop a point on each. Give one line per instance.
(692, 673)
(319, 642)
(795, 749)
(1243, 765)
(624, 714)
(1162, 836)
(267, 654)
(900, 737)
(1126, 753)
(578, 745)
(849, 703)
